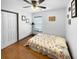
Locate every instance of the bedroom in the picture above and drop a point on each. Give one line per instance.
(23, 21)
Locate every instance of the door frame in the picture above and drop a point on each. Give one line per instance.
(17, 14)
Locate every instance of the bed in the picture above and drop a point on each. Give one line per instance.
(53, 46)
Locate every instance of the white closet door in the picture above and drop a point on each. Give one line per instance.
(9, 29)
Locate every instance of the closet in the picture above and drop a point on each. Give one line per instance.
(8, 28)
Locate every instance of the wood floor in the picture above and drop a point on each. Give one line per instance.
(18, 51)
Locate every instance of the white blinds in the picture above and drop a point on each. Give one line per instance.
(38, 23)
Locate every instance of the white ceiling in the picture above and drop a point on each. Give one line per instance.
(54, 4)
(50, 4)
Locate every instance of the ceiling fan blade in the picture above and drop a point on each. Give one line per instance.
(42, 7)
(40, 1)
(27, 1)
(26, 6)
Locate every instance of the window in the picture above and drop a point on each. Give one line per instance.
(37, 23)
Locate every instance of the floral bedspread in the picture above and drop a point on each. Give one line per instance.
(53, 46)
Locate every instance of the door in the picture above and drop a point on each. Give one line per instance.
(8, 29)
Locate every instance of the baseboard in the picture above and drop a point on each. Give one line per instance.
(26, 37)
(9, 45)
(16, 42)
(69, 50)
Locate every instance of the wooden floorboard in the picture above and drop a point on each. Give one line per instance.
(18, 51)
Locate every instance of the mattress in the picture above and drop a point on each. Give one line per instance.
(53, 46)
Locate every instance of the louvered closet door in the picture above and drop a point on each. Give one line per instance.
(9, 29)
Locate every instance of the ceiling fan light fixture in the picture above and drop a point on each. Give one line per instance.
(35, 4)
(34, 8)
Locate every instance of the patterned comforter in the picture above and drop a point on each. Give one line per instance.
(53, 46)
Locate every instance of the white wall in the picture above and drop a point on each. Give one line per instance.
(71, 33)
(17, 6)
(51, 27)
(25, 29)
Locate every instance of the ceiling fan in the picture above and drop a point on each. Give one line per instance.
(35, 3)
